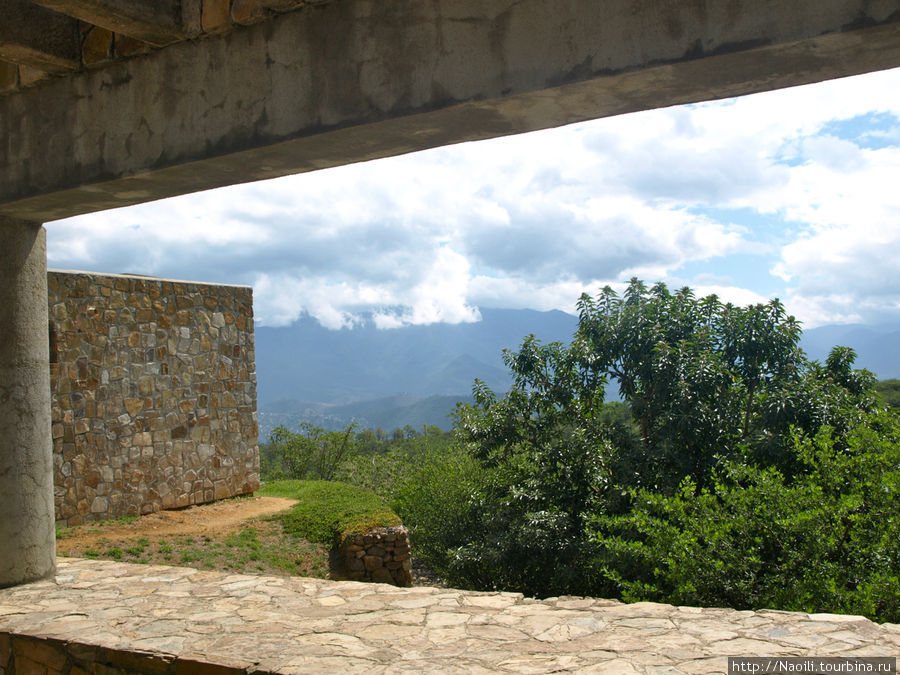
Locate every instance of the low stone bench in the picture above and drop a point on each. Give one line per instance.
(381, 555)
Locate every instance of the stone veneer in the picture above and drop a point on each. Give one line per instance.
(153, 386)
(381, 555)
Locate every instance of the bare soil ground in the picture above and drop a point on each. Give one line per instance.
(231, 535)
(212, 521)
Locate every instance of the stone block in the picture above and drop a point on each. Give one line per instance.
(282, 5)
(29, 76)
(382, 576)
(215, 16)
(124, 47)
(9, 80)
(31, 655)
(247, 12)
(5, 653)
(97, 47)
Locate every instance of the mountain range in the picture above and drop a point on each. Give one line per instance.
(414, 375)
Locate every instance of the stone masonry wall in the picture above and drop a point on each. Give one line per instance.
(381, 555)
(153, 386)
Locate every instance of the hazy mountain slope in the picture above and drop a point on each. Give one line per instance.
(414, 375)
(307, 361)
(877, 347)
(389, 413)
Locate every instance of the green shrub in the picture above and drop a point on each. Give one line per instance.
(328, 510)
(378, 472)
(312, 453)
(435, 500)
(826, 540)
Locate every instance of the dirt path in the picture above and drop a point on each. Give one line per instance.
(210, 520)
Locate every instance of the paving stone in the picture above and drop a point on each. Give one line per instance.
(154, 618)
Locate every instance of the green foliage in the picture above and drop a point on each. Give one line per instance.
(313, 453)
(709, 390)
(708, 381)
(434, 498)
(827, 539)
(329, 510)
(525, 526)
(889, 392)
(384, 464)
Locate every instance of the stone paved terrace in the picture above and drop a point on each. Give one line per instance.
(108, 617)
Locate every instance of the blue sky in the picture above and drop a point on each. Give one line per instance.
(792, 194)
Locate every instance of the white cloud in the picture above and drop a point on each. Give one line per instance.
(534, 220)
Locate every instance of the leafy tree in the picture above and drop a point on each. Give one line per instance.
(433, 497)
(708, 385)
(541, 473)
(368, 442)
(383, 465)
(313, 453)
(704, 378)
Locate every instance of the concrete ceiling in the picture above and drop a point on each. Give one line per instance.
(42, 39)
(106, 103)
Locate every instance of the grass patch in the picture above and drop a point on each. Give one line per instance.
(295, 542)
(328, 510)
(136, 550)
(261, 547)
(264, 548)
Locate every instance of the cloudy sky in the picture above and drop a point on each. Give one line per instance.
(792, 194)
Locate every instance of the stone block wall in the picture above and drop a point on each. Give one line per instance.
(153, 386)
(381, 555)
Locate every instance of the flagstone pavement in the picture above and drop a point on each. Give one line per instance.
(109, 617)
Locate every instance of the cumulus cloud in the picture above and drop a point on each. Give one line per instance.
(534, 220)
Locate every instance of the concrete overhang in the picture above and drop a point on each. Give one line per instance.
(355, 80)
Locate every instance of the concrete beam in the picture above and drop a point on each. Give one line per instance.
(37, 37)
(361, 79)
(27, 524)
(157, 22)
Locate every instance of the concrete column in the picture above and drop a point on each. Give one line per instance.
(27, 522)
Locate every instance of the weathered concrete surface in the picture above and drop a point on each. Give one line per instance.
(157, 22)
(360, 79)
(34, 36)
(169, 619)
(27, 533)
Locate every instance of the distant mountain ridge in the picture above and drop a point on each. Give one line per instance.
(389, 413)
(877, 346)
(414, 375)
(308, 362)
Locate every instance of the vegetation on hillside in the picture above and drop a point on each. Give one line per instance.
(327, 510)
(889, 392)
(734, 472)
(738, 469)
